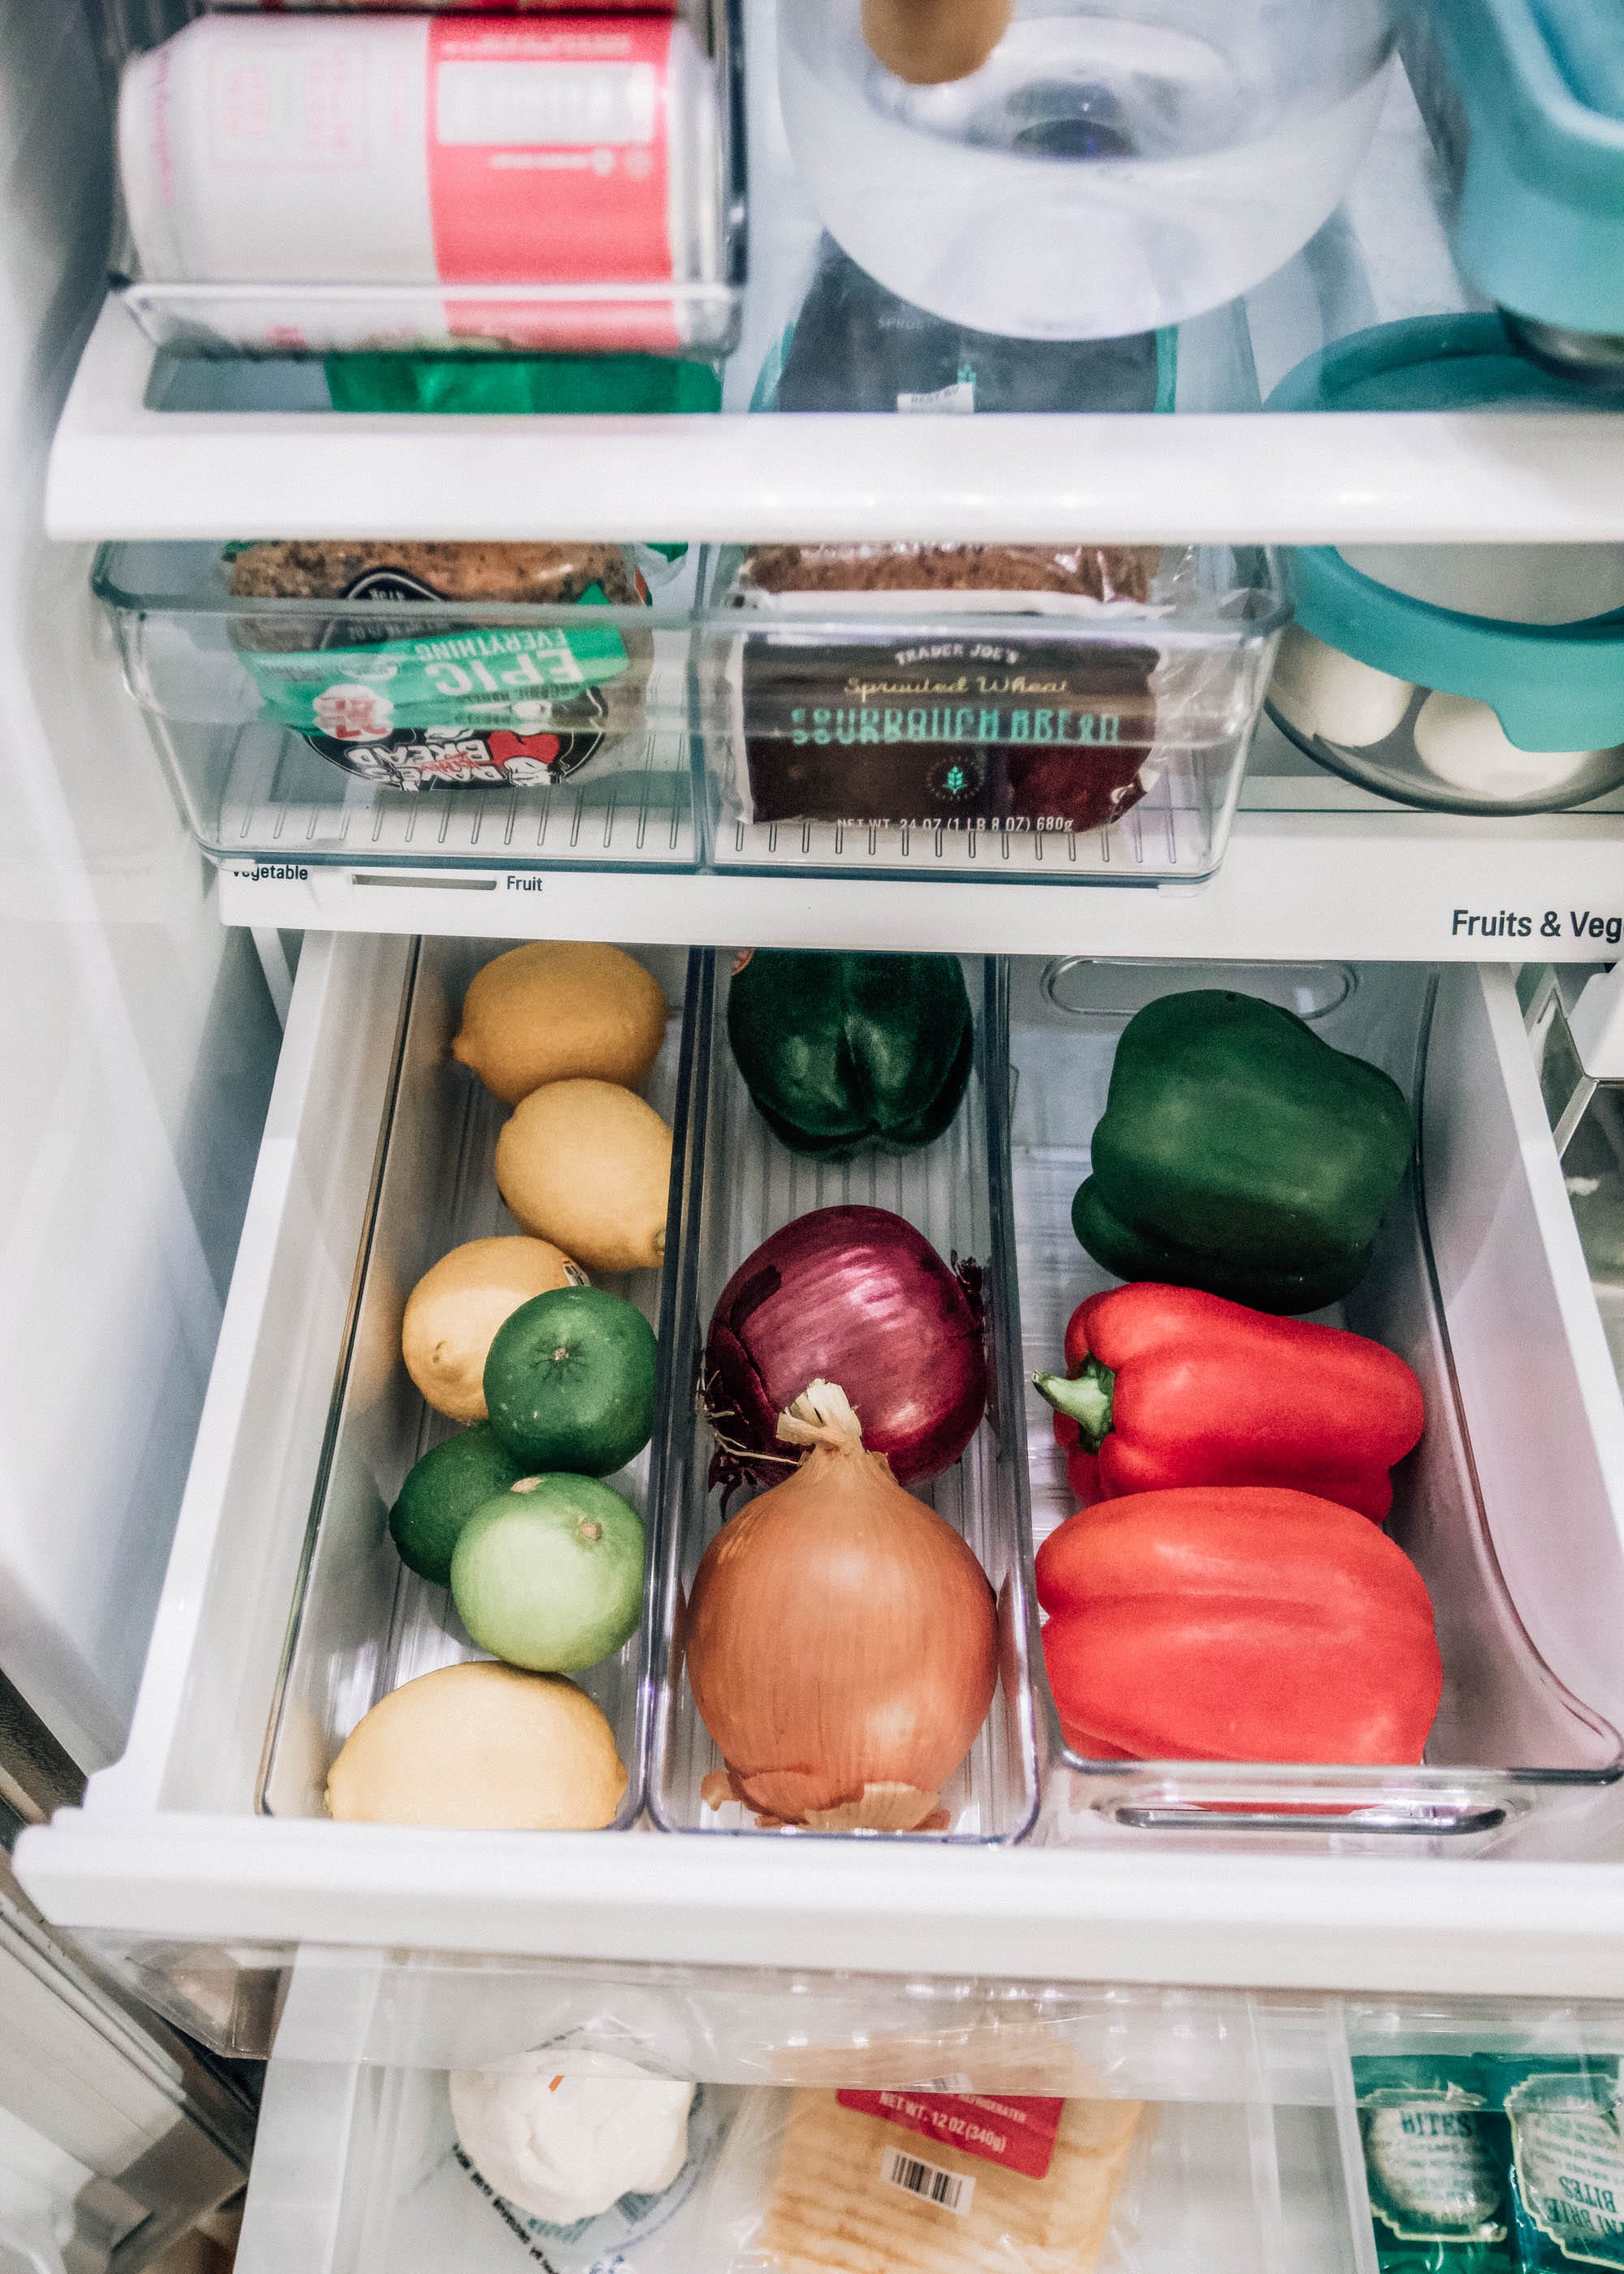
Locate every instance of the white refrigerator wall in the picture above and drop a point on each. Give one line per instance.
(137, 1036)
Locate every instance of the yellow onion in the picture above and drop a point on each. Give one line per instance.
(842, 1643)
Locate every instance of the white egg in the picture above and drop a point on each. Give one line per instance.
(565, 2147)
(1461, 742)
(1322, 692)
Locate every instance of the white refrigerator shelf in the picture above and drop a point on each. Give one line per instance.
(248, 450)
(168, 1869)
(1364, 881)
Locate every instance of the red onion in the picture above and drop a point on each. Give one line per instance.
(857, 1296)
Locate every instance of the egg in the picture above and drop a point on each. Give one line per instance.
(1461, 742)
(1323, 693)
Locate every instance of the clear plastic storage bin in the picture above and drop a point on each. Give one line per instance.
(746, 1184)
(415, 172)
(583, 709)
(1510, 1735)
(362, 1624)
(958, 710)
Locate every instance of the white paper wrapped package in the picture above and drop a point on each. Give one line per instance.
(400, 150)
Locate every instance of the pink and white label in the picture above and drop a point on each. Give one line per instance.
(1019, 2133)
(548, 157)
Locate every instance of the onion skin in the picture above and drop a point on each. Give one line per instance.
(842, 1642)
(854, 1296)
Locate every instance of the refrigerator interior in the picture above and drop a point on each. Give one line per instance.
(143, 1037)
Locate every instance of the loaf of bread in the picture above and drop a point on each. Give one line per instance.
(330, 568)
(1095, 572)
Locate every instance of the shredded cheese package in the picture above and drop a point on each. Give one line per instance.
(921, 2182)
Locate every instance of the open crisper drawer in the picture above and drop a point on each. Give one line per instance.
(1510, 1733)
(170, 1870)
(356, 2172)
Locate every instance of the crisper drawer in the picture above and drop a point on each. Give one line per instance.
(358, 2170)
(1324, 2163)
(204, 1865)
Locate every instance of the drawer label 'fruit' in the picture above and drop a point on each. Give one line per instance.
(1575, 924)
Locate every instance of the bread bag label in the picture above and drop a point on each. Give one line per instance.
(408, 706)
(1018, 2133)
(1024, 733)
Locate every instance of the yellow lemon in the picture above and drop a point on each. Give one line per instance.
(557, 1008)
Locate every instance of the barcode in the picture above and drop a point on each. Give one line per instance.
(947, 2190)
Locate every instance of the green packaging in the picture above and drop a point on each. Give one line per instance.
(1436, 2163)
(1567, 2156)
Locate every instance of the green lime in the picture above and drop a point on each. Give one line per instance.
(550, 1576)
(442, 1492)
(569, 1382)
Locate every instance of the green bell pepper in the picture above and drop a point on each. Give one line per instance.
(1240, 1153)
(841, 1051)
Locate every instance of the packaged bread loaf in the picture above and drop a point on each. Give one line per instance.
(414, 690)
(865, 704)
(918, 2182)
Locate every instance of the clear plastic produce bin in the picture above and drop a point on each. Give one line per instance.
(1027, 735)
(362, 1624)
(422, 253)
(593, 740)
(1510, 1735)
(746, 1184)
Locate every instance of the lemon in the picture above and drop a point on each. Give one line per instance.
(557, 1008)
(454, 1310)
(587, 1165)
(481, 1745)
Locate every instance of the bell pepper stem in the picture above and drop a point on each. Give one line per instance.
(1085, 1398)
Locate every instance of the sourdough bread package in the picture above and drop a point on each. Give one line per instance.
(412, 690)
(859, 699)
(920, 2182)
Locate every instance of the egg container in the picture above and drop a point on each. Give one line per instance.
(1510, 1737)
(1432, 704)
(361, 1623)
(745, 1184)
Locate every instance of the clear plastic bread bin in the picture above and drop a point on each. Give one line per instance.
(379, 179)
(414, 703)
(1071, 714)
(1109, 167)
(1464, 1246)
(1487, 679)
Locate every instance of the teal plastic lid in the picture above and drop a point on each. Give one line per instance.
(1540, 223)
(1552, 687)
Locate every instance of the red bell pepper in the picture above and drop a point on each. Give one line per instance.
(1234, 1623)
(1168, 1386)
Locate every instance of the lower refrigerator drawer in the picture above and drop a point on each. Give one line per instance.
(203, 1864)
(358, 2171)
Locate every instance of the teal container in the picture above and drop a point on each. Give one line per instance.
(1432, 689)
(1540, 226)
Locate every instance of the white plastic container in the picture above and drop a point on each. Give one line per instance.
(566, 152)
(1107, 170)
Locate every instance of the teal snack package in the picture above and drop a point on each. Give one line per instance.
(412, 693)
(1436, 2164)
(1566, 2157)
